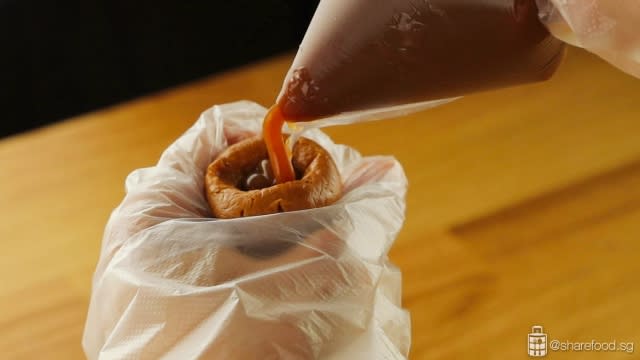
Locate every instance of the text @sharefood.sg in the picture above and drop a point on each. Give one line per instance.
(540, 344)
(591, 346)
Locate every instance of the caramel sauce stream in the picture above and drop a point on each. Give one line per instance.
(279, 156)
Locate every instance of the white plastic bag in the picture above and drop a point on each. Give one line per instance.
(172, 283)
(608, 28)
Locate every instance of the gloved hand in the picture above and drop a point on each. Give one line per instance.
(608, 28)
(173, 283)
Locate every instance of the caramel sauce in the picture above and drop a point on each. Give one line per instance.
(279, 155)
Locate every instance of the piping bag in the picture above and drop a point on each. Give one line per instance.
(363, 60)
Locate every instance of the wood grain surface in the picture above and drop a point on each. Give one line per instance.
(523, 209)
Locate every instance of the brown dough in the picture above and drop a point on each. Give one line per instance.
(319, 183)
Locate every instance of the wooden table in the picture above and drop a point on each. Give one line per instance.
(523, 209)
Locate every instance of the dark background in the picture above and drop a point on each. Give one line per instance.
(63, 58)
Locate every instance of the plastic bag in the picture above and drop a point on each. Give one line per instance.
(173, 283)
(608, 28)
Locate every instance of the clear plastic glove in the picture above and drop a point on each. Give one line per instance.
(608, 28)
(173, 283)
